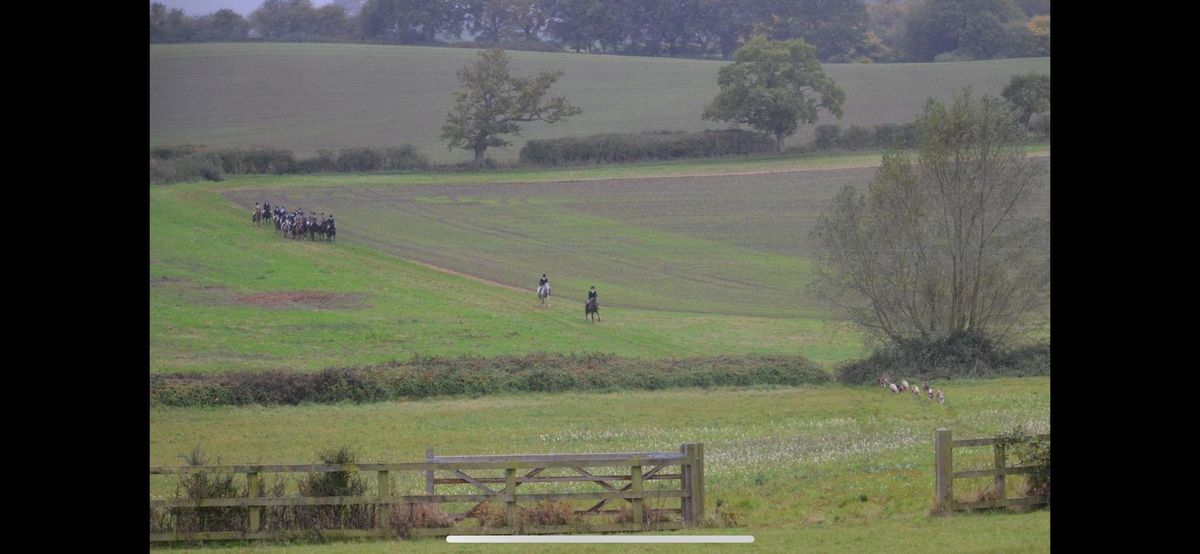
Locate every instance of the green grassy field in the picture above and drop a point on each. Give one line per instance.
(306, 97)
(827, 468)
(681, 272)
(707, 257)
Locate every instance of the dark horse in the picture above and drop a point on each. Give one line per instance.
(592, 307)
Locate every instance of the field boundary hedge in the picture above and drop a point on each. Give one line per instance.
(660, 145)
(427, 377)
(169, 164)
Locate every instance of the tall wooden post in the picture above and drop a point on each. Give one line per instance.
(635, 476)
(428, 472)
(685, 478)
(1001, 463)
(383, 512)
(255, 511)
(698, 478)
(510, 499)
(943, 445)
(693, 479)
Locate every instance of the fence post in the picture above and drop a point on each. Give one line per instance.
(428, 472)
(252, 492)
(698, 477)
(635, 476)
(1001, 463)
(693, 477)
(944, 464)
(685, 480)
(510, 502)
(383, 512)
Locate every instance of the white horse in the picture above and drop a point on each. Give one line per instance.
(543, 292)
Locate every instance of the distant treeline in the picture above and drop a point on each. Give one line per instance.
(842, 30)
(171, 164)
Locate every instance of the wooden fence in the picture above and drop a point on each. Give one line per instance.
(501, 490)
(944, 446)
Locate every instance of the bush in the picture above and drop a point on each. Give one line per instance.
(827, 137)
(857, 138)
(895, 136)
(324, 161)
(548, 512)
(335, 483)
(406, 517)
(490, 515)
(1040, 125)
(1026, 449)
(257, 160)
(206, 485)
(404, 157)
(962, 355)
(188, 167)
(359, 160)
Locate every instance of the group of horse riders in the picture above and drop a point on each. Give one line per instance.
(296, 222)
(593, 301)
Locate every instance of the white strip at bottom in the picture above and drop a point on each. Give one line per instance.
(600, 539)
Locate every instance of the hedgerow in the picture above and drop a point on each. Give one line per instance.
(423, 377)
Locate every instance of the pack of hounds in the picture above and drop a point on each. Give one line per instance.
(296, 223)
(904, 387)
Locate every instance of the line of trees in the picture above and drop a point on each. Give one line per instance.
(840, 30)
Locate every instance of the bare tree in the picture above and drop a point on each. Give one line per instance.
(947, 244)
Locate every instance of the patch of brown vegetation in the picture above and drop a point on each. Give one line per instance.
(297, 299)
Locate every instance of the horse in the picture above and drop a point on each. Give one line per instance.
(592, 307)
(544, 292)
(330, 230)
(257, 215)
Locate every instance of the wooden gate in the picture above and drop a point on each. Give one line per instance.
(494, 479)
(944, 446)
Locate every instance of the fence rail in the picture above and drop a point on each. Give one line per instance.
(643, 467)
(944, 445)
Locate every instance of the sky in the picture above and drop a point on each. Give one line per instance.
(202, 7)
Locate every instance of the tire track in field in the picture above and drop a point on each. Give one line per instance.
(737, 172)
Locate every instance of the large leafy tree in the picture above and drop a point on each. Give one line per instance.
(410, 21)
(1030, 94)
(948, 245)
(493, 102)
(773, 87)
(284, 19)
(978, 29)
(838, 28)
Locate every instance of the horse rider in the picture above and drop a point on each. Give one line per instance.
(543, 281)
(592, 296)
